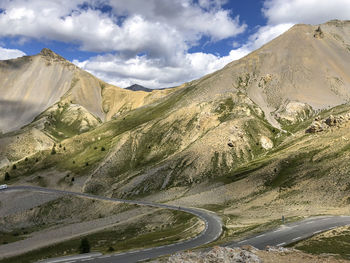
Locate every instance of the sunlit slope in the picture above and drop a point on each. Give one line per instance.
(307, 64)
(31, 84)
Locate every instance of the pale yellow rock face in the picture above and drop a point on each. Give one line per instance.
(28, 86)
(296, 67)
(31, 85)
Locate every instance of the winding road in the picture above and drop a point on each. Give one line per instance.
(294, 232)
(213, 229)
(282, 236)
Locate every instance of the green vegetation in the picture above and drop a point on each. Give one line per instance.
(84, 246)
(116, 239)
(338, 244)
(9, 237)
(289, 168)
(224, 109)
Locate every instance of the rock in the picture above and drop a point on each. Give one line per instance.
(293, 112)
(316, 126)
(4, 162)
(331, 121)
(216, 255)
(266, 143)
(318, 33)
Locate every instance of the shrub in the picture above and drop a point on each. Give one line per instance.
(84, 246)
(7, 176)
(14, 167)
(26, 159)
(53, 151)
(103, 149)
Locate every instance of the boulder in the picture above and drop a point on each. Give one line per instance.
(266, 143)
(331, 121)
(316, 126)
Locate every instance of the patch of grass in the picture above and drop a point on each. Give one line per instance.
(214, 207)
(288, 170)
(115, 239)
(9, 237)
(338, 245)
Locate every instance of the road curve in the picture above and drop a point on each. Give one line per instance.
(213, 228)
(294, 232)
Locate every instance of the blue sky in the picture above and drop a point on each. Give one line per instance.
(155, 43)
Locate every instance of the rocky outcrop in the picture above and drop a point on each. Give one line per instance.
(266, 143)
(249, 254)
(292, 112)
(217, 254)
(319, 125)
(316, 126)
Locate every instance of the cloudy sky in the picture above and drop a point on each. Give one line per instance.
(155, 43)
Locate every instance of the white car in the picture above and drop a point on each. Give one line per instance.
(3, 186)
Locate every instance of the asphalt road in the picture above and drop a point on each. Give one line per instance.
(213, 229)
(294, 232)
(282, 236)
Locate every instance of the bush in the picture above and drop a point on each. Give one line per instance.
(7, 176)
(26, 159)
(53, 151)
(84, 246)
(14, 167)
(103, 149)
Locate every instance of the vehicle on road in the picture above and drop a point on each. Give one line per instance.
(3, 186)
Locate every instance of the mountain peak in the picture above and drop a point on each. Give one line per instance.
(48, 53)
(137, 87)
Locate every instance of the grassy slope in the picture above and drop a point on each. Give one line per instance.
(130, 237)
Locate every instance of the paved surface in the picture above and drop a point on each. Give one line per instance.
(282, 236)
(213, 229)
(293, 232)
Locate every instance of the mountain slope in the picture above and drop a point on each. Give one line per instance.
(30, 85)
(219, 132)
(300, 66)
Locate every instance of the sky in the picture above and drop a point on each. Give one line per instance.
(154, 43)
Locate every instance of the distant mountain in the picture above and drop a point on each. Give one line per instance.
(137, 87)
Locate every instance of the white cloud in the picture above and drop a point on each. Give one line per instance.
(153, 74)
(10, 53)
(305, 11)
(161, 28)
(148, 41)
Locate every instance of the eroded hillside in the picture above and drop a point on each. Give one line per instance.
(235, 139)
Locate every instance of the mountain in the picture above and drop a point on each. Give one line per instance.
(32, 84)
(270, 130)
(136, 87)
